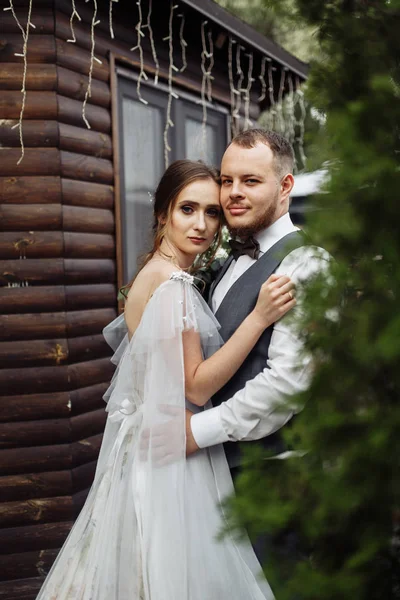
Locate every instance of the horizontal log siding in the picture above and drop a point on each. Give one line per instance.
(58, 212)
(57, 240)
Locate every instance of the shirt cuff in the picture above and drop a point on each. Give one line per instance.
(207, 428)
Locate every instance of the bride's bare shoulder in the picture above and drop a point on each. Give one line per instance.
(146, 282)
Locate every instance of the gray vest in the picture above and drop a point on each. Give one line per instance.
(239, 301)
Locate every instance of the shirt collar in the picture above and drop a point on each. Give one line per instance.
(268, 237)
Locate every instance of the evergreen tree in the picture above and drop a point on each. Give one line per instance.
(343, 497)
(299, 39)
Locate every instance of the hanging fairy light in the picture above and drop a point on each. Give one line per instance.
(93, 58)
(261, 77)
(25, 37)
(140, 34)
(171, 94)
(210, 56)
(246, 92)
(280, 121)
(110, 18)
(207, 54)
(152, 44)
(203, 88)
(74, 15)
(299, 123)
(289, 106)
(183, 43)
(271, 93)
(240, 75)
(232, 88)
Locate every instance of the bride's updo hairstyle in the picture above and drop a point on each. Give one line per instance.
(177, 176)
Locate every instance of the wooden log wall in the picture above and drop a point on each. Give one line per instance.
(57, 290)
(58, 269)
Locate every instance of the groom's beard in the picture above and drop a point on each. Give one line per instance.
(262, 222)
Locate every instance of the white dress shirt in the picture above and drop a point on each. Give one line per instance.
(260, 408)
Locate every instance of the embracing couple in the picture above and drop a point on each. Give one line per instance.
(148, 529)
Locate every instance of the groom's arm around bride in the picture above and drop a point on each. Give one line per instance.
(256, 182)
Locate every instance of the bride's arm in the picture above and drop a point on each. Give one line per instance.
(205, 377)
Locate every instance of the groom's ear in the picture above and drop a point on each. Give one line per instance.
(286, 186)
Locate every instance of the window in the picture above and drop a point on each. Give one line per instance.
(141, 134)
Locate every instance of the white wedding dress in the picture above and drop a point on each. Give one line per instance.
(148, 529)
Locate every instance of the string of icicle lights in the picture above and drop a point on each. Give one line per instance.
(287, 112)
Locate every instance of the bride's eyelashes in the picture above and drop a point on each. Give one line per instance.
(214, 212)
(210, 212)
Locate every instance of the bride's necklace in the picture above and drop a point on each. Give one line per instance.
(169, 259)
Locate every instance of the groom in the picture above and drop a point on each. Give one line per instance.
(256, 182)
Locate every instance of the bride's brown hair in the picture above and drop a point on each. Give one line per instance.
(177, 176)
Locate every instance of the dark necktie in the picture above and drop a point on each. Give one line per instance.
(250, 246)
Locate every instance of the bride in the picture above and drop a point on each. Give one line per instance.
(148, 529)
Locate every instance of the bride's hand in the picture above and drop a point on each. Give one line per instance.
(275, 299)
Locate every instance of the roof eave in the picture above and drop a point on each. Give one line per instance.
(248, 35)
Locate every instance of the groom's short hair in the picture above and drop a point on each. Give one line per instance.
(281, 149)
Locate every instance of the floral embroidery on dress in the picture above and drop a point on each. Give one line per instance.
(182, 276)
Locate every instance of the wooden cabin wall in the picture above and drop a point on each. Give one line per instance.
(57, 273)
(57, 243)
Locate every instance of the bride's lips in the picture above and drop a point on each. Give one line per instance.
(197, 240)
(237, 210)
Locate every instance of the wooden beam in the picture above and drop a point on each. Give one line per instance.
(29, 217)
(33, 189)
(32, 244)
(33, 271)
(86, 450)
(36, 459)
(39, 105)
(31, 407)
(74, 85)
(38, 77)
(60, 378)
(90, 220)
(41, 49)
(88, 347)
(86, 168)
(56, 298)
(82, 476)
(43, 20)
(70, 112)
(32, 326)
(37, 299)
(84, 193)
(35, 485)
(57, 457)
(33, 537)
(77, 59)
(37, 133)
(84, 141)
(88, 398)
(88, 424)
(89, 245)
(57, 271)
(37, 352)
(37, 162)
(27, 564)
(21, 589)
(32, 511)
